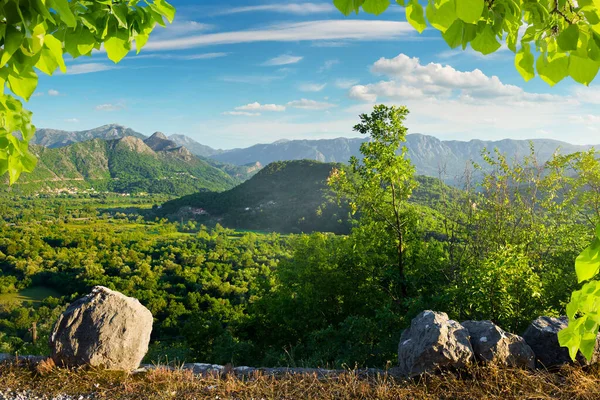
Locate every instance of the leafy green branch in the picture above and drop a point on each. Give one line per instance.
(565, 36)
(35, 35)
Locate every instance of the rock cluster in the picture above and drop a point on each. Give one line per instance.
(103, 329)
(434, 342)
(110, 330)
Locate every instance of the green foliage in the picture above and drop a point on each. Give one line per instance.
(36, 34)
(380, 184)
(582, 310)
(566, 34)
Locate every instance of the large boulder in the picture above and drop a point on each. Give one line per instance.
(542, 337)
(492, 344)
(432, 342)
(103, 329)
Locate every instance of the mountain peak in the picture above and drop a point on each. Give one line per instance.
(159, 135)
(134, 144)
(159, 142)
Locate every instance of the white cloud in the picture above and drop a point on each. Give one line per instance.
(110, 107)
(306, 104)
(89, 68)
(284, 59)
(242, 113)
(261, 107)
(53, 92)
(589, 94)
(328, 30)
(184, 57)
(72, 120)
(292, 8)
(179, 28)
(312, 87)
(345, 83)
(253, 79)
(412, 80)
(468, 104)
(328, 65)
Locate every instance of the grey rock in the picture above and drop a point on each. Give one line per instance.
(492, 344)
(103, 329)
(204, 369)
(542, 336)
(432, 342)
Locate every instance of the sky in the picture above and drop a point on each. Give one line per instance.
(233, 73)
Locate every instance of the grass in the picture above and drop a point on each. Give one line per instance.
(34, 294)
(478, 383)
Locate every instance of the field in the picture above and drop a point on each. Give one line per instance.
(33, 295)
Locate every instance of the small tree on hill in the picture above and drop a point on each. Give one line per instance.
(381, 183)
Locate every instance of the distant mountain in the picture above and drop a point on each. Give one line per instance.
(430, 155)
(53, 138)
(159, 142)
(282, 197)
(125, 165)
(326, 150)
(193, 146)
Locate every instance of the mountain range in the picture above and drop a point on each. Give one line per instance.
(431, 156)
(127, 164)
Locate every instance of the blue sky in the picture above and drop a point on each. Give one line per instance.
(233, 73)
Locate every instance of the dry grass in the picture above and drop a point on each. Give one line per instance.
(479, 383)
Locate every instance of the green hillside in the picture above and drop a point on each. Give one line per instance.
(282, 197)
(125, 165)
(286, 196)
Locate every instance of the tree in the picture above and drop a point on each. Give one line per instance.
(565, 34)
(35, 34)
(380, 184)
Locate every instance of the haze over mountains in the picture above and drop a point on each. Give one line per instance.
(429, 154)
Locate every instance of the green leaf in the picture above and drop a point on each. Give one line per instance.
(140, 41)
(168, 11)
(118, 45)
(486, 42)
(120, 13)
(569, 338)
(375, 6)
(64, 12)
(582, 70)
(28, 162)
(55, 46)
(414, 16)
(85, 40)
(47, 62)
(588, 262)
(441, 16)
(23, 84)
(553, 70)
(454, 34)
(469, 33)
(567, 40)
(524, 61)
(469, 10)
(15, 167)
(12, 41)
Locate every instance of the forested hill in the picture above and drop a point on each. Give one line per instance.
(282, 197)
(429, 154)
(285, 196)
(126, 165)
